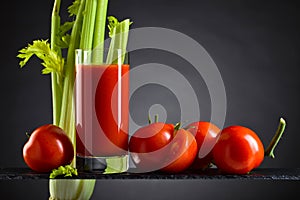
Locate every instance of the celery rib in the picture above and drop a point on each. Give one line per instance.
(99, 31)
(86, 41)
(55, 79)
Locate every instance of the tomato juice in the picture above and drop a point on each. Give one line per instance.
(102, 110)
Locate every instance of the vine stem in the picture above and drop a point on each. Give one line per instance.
(270, 149)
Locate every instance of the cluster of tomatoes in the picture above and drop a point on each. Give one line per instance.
(169, 148)
(164, 147)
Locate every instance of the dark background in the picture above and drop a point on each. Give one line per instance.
(255, 45)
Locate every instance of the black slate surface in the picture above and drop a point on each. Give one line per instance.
(257, 174)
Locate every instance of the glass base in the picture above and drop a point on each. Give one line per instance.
(113, 164)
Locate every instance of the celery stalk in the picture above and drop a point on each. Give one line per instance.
(99, 32)
(71, 189)
(66, 189)
(67, 116)
(55, 79)
(119, 37)
(86, 41)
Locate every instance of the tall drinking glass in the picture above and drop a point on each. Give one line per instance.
(102, 109)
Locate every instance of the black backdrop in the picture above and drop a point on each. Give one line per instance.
(255, 45)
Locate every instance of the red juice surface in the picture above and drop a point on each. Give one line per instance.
(102, 110)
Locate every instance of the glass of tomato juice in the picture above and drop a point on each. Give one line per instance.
(102, 109)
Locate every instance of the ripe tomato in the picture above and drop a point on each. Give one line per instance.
(181, 153)
(206, 135)
(159, 146)
(147, 146)
(48, 148)
(238, 150)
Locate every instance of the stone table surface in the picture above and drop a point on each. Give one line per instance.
(212, 173)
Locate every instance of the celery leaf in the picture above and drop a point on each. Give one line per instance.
(73, 9)
(66, 171)
(41, 48)
(112, 23)
(65, 27)
(63, 35)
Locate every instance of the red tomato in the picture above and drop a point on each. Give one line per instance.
(238, 150)
(159, 147)
(206, 135)
(182, 152)
(48, 148)
(147, 145)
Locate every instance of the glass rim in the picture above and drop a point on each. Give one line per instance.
(101, 56)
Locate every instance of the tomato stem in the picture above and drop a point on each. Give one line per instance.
(177, 126)
(28, 134)
(149, 119)
(270, 150)
(156, 118)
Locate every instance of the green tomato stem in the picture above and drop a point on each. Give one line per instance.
(156, 118)
(28, 135)
(177, 126)
(149, 119)
(270, 150)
